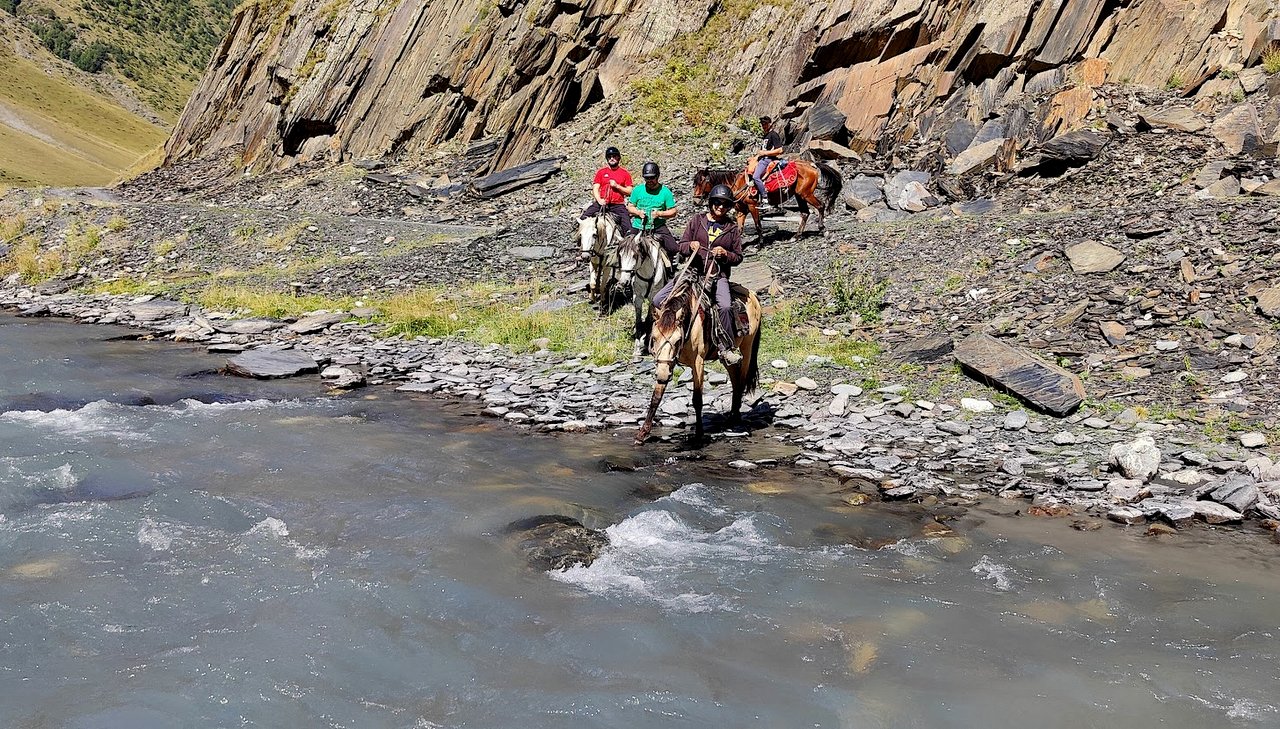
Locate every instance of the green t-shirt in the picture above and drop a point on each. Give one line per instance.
(662, 200)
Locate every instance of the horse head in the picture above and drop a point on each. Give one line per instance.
(701, 184)
(586, 237)
(628, 259)
(669, 329)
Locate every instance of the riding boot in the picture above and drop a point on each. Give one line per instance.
(727, 343)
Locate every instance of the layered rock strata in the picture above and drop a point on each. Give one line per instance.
(305, 79)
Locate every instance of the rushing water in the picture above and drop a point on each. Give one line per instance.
(183, 549)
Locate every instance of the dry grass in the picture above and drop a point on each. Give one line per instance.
(117, 223)
(88, 138)
(1271, 59)
(33, 264)
(273, 304)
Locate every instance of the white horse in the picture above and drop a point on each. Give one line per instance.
(597, 236)
(638, 269)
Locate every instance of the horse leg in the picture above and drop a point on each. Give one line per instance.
(643, 433)
(699, 367)
(804, 215)
(638, 333)
(737, 380)
(755, 218)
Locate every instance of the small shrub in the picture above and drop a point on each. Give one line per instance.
(117, 223)
(11, 228)
(1271, 59)
(856, 292)
(1174, 82)
(81, 242)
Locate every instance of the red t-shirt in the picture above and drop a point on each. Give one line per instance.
(612, 196)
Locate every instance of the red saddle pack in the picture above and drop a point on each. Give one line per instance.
(782, 176)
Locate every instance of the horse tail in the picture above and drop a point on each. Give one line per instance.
(752, 380)
(834, 183)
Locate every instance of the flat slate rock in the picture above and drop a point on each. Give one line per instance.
(532, 253)
(514, 178)
(1043, 386)
(247, 326)
(925, 350)
(754, 276)
(316, 322)
(158, 309)
(269, 364)
(1091, 257)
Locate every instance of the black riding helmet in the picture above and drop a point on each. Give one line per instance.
(612, 152)
(650, 170)
(721, 193)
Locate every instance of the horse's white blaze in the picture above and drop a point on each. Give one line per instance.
(587, 236)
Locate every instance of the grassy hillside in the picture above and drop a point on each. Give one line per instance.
(53, 131)
(157, 47)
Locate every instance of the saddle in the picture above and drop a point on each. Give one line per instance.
(780, 174)
(738, 295)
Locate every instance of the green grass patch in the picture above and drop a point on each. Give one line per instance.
(786, 336)
(496, 315)
(31, 262)
(270, 304)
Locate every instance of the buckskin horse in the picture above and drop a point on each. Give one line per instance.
(804, 189)
(598, 235)
(635, 270)
(682, 333)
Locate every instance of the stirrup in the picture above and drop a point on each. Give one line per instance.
(730, 356)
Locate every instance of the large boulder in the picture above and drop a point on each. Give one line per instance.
(1139, 460)
(1177, 118)
(977, 157)
(555, 542)
(1238, 130)
(908, 190)
(863, 192)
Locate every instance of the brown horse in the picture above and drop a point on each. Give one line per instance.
(681, 333)
(804, 189)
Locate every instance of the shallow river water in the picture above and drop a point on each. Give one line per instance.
(179, 548)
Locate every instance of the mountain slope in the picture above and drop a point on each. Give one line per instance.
(55, 131)
(158, 48)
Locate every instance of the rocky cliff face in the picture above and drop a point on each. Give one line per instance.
(345, 79)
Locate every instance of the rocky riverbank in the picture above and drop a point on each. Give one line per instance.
(1132, 267)
(875, 443)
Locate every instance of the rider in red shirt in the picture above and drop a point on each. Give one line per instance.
(610, 188)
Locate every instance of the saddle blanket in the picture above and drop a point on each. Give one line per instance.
(784, 176)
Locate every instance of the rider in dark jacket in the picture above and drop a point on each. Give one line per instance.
(714, 237)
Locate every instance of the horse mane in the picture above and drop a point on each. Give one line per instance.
(721, 175)
(666, 317)
(629, 244)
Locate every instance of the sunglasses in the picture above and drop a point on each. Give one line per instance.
(720, 204)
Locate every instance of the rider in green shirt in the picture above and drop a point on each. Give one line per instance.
(654, 201)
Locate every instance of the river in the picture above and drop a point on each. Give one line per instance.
(180, 548)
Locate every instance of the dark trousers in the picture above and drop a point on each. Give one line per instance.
(619, 212)
(664, 237)
(723, 310)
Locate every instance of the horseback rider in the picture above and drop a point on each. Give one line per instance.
(770, 150)
(714, 238)
(609, 189)
(651, 206)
